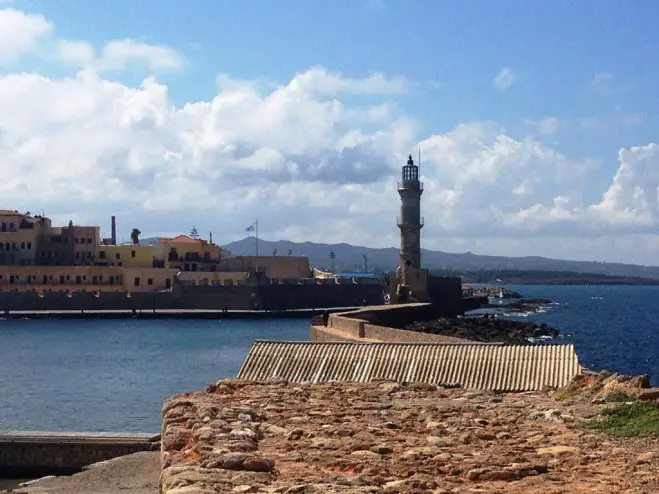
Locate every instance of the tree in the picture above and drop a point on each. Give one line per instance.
(135, 236)
(194, 233)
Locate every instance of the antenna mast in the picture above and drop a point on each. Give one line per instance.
(419, 160)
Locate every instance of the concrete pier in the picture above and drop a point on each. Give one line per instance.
(34, 454)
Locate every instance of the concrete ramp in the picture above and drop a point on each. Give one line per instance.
(479, 366)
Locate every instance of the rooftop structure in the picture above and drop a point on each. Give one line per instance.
(476, 366)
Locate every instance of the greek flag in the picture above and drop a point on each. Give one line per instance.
(250, 228)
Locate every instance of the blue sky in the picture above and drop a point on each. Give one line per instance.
(450, 49)
(580, 75)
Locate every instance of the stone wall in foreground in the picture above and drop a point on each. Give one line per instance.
(345, 438)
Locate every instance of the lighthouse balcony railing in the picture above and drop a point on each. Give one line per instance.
(410, 185)
(402, 224)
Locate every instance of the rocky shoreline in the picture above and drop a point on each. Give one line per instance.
(487, 329)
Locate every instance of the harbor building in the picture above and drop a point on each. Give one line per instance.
(36, 256)
(27, 240)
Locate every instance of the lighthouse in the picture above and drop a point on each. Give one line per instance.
(410, 221)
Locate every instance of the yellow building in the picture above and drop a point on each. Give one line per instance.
(84, 278)
(187, 254)
(19, 237)
(60, 278)
(147, 279)
(125, 255)
(31, 240)
(293, 267)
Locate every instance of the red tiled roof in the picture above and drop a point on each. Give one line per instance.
(181, 239)
(9, 212)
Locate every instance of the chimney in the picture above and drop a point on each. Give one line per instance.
(114, 231)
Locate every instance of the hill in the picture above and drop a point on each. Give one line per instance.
(350, 258)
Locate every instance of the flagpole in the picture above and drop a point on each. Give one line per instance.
(257, 238)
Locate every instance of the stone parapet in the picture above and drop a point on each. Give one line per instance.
(357, 326)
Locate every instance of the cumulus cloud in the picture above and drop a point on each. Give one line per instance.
(310, 157)
(20, 33)
(504, 79)
(119, 53)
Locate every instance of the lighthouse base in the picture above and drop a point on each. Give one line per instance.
(418, 285)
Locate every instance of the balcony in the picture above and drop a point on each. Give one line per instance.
(400, 224)
(410, 185)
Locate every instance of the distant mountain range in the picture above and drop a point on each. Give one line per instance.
(349, 258)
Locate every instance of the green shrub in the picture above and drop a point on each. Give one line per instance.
(639, 418)
(619, 397)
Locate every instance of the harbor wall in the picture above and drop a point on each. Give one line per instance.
(55, 453)
(379, 324)
(271, 296)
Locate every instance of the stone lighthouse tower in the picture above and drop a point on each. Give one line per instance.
(409, 221)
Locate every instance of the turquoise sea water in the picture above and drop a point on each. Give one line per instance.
(113, 375)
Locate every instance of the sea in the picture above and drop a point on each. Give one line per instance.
(113, 375)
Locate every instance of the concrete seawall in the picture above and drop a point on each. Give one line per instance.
(172, 314)
(360, 325)
(33, 454)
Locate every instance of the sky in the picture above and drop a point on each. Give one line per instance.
(537, 121)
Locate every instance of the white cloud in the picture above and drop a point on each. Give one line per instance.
(79, 53)
(119, 53)
(504, 79)
(310, 162)
(20, 33)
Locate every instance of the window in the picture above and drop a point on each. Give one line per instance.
(101, 254)
(89, 241)
(132, 253)
(22, 245)
(149, 281)
(77, 240)
(61, 279)
(78, 280)
(4, 227)
(12, 227)
(94, 279)
(117, 256)
(77, 255)
(168, 283)
(12, 279)
(44, 280)
(137, 281)
(29, 245)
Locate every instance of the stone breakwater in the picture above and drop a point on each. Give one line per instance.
(387, 437)
(485, 329)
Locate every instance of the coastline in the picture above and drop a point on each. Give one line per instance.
(172, 314)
